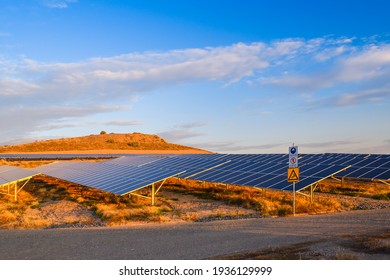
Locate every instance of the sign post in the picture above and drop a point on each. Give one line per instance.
(293, 170)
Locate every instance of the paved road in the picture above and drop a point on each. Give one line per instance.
(188, 240)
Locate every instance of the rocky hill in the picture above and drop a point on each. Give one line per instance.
(101, 143)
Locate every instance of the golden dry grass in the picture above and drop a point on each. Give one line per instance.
(118, 142)
(118, 215)
(360, 188)
(266, 202)
(42, 204)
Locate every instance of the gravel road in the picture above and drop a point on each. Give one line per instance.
(318, 236)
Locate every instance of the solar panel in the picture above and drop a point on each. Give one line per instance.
(266, 174)
(9, 174)
(118, 179)
(135, 160)
(129, 172)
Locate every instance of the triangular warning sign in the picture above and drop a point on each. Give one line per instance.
(293, 175)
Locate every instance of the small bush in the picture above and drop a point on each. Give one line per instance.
(133, 144)
(382, 196)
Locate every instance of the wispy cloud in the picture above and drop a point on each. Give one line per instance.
(365, 69)
(328, 144)
(123, 122)
(292, 65)
(22, 121)
(183, 131)
(231, 146)
(58, 4)
(5, 34)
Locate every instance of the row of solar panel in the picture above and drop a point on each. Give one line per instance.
(131, 172)
(118, 179)
(238, 169)
(361, 166)
(122, 179)
(314, 158)
(10, 174)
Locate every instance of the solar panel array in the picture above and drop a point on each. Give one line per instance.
(128, 173)
(9, 174)
(253, 171)
(372, 167)
(117, 179)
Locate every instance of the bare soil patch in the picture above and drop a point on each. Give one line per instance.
(62, 214)
(191, 208)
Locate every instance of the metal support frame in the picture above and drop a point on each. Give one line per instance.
(341, 180)
(315, 184)
(293, 190)
(13, 189)
(153, 194)
(313, 187)
(384, 182)
(334, 178)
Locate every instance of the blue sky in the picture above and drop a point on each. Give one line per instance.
(227, 76)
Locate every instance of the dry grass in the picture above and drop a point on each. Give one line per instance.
(358, 188)
(118, 215)
(112, 141)
(267, 203)
(25, 164)
(49, 202)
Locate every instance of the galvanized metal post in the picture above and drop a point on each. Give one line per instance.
(311, 193)
(153, 194)
(16, 191)
(294, 199)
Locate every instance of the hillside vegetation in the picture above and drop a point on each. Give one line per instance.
(107, 142)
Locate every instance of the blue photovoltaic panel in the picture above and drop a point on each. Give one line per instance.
(129, 172)
(266, 174)
(10, 174)
(6, 168)
(135, 160)
(118, 179)
(187, 165)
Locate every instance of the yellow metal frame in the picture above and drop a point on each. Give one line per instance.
(314, 185)
(154, 191)
(12, 187)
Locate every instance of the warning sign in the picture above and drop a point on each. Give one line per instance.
(293, 174)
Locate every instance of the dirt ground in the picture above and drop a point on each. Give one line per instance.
(187, 208)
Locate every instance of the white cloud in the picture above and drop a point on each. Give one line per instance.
(231, 146)
(179, 134)
(28, 87)
(183, 131)
(58, 4)
(356, 76)
(364, 96)
(22, 121)
(123, 123)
